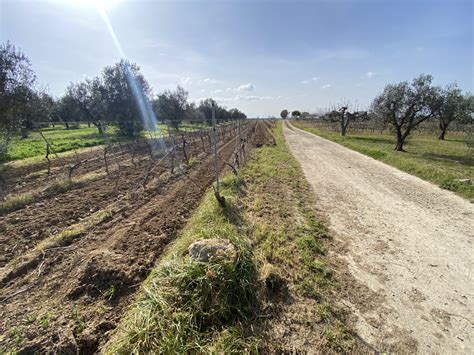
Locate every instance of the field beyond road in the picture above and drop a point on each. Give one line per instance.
(409, 241)
(449, 163)
(76, 137)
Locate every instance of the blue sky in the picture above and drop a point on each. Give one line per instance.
(259, 56)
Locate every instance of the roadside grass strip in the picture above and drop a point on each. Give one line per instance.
(231, 304)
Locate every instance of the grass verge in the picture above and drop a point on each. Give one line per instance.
(448, 164)
(281, 277)
(189, 306)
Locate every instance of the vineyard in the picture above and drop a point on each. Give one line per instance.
(81, 232)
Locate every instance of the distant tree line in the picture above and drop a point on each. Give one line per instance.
(405, 106)
(120, 95)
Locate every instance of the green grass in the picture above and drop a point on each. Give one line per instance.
(63, 140)
(216, 307)
(188, 306)
(443, 163)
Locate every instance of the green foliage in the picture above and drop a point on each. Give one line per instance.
(295, 113)
(45, 319)
(405, 105)
(17, 80)
(172, 105)
(455, 107)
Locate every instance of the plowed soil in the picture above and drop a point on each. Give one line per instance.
(74, 293)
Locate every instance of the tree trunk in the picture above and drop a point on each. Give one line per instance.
(400, 140)
(442, 134)
(99, 127)
(443, 128)
(343, 127)
(24, 133)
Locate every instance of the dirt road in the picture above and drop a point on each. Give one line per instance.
(408, 243)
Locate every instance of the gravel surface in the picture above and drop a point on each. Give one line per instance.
(407, 240)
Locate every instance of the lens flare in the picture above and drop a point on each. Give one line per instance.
(144, 107)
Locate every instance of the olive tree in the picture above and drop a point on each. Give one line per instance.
(295, 114)
(127, 97)
(172, 106)
(455, 107)
(236, 114)
(284, 114)
(405, 105)
(205, 106)
(17, 80)
(65, 110)
(90, 101)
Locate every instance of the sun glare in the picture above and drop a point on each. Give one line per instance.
(90, 3)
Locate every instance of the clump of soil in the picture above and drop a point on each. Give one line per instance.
(208, 249)
(105, 273)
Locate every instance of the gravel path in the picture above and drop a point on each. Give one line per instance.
(408, 241)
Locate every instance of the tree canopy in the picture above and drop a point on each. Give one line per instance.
(405, 105)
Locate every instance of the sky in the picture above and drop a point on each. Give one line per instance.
(259, 56)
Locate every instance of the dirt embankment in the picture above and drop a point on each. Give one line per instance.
(408, 243)
(76, 293)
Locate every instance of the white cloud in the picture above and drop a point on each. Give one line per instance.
(420, 49)
(217, 91)
(210, 81)
(327, 86)
(235, 99)
(246, 87)
(186, 80)
(228, 89)
(370, 74)
(252, 98)
(312, 80)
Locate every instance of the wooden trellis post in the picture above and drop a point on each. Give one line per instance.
(219, 198)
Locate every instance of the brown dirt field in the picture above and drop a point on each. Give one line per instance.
(24, 228)
(73, 294)
(24, 178)
(21, 230)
